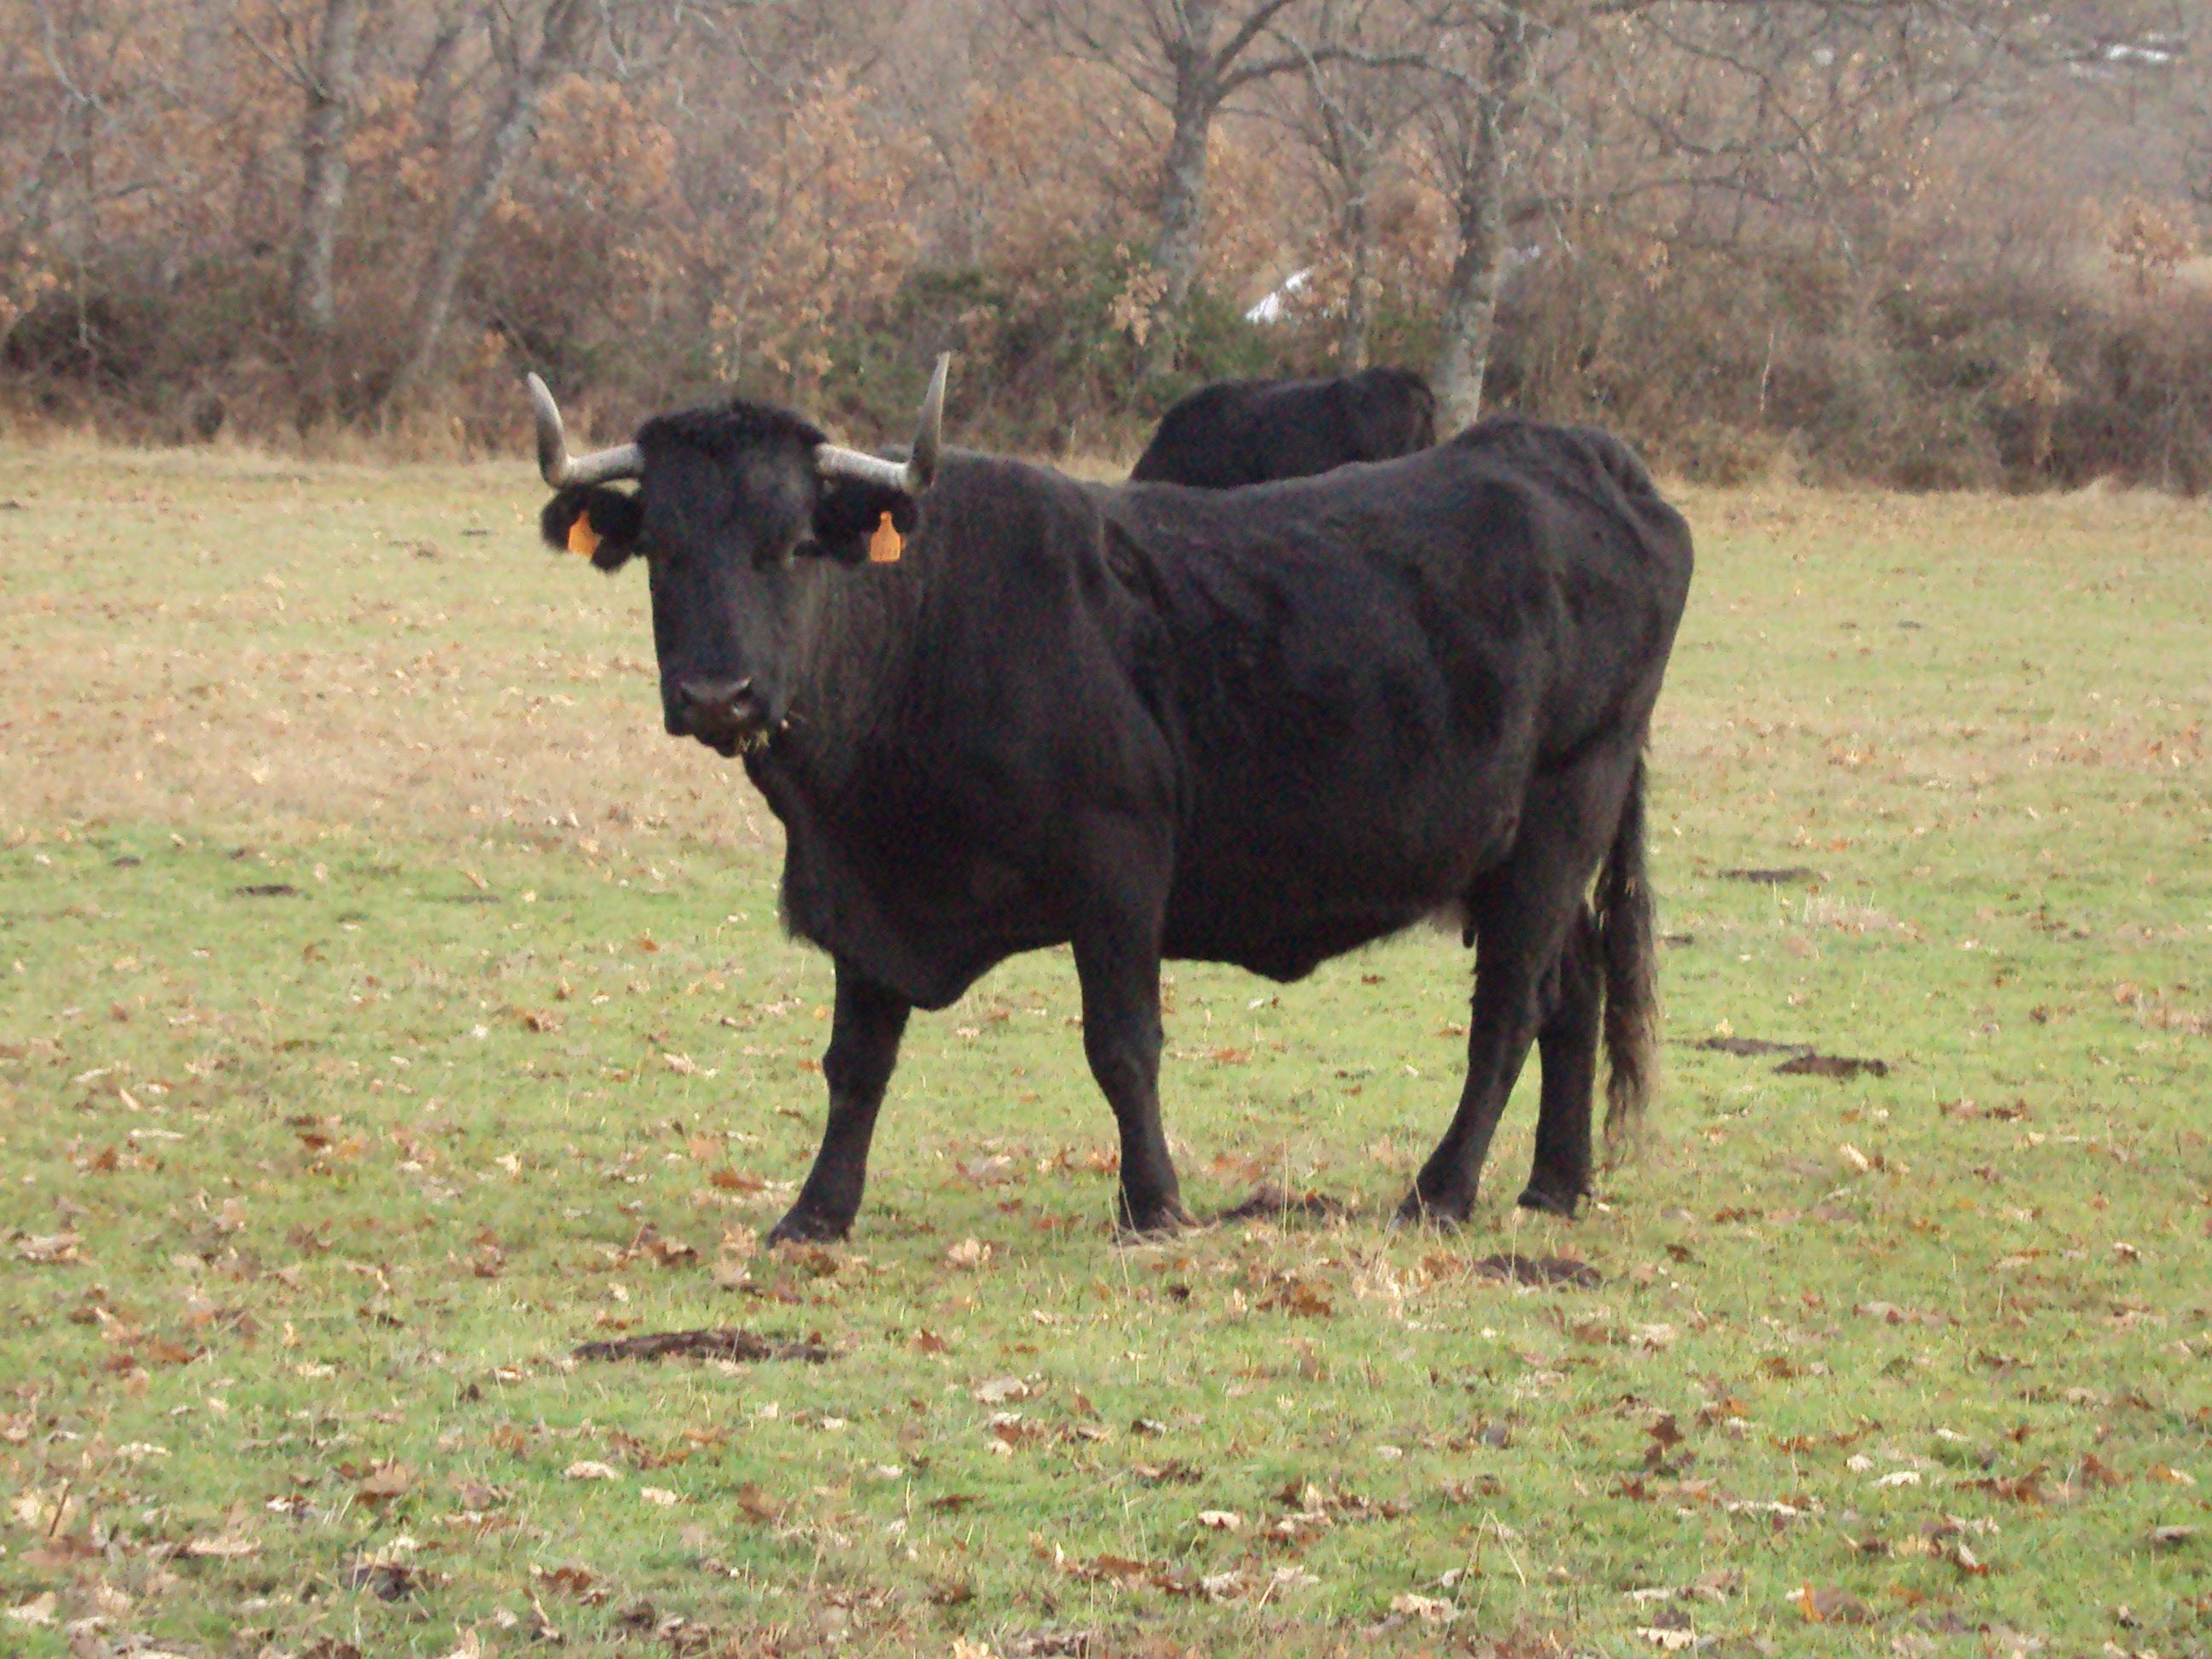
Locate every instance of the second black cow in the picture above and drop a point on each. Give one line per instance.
(1246, 432)
(1149, 722)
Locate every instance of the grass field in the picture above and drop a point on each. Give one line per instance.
(387, 1009)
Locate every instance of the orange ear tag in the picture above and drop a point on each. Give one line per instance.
(886, 544)
(583, 540)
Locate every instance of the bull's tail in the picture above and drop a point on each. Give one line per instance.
(1628, 947)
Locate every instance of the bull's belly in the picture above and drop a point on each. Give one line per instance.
(1282, 908)
(1267, 946)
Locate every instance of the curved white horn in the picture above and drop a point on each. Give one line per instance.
(921, 470)
(835, 460)
(558, 465)
(929, 433)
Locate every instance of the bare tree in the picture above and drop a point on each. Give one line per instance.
(1189, 58)
(328, 92)
(562, 37)
(326, 70)
(1789, 106)
(1490, 66)
(1360, 84)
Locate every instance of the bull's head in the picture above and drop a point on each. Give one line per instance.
(732, 505)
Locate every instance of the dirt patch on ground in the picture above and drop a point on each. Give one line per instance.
(742, 1345)
(1272, 1203)
(1805, 1061)
(1543, 1272)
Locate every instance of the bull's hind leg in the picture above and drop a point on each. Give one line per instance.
(863, 1045)
(1521, 911)
(1566, 1050)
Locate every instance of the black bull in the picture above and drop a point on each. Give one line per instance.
(1246, 432)
(1262, 727)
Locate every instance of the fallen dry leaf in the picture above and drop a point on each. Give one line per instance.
(2095, 1471)
(49, 1250)
(226, 1547)
(386, 1482)
(968, 1254)
(1822, 1607)
(756, 1503)
(1221, 1520)
(43, 1513)
(587, 1470)
(1429, 1609)
(39, 1610)
(1300, 1297)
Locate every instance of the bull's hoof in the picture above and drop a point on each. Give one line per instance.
(1156, 1221)
(1443, 1214)
(803, 1227)
(1534, 1197)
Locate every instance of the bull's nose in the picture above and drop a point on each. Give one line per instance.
(716, 702)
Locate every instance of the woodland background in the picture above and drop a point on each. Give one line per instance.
(1925, 243)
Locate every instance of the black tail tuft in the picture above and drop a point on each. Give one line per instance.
(1631, 992)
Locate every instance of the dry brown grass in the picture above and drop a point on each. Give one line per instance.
(232, 636)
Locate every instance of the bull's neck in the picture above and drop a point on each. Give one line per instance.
(852, 648)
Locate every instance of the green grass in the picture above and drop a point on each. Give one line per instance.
(341, 1175)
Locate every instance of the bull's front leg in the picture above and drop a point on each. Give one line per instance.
(1120, 970)
(864, 1044)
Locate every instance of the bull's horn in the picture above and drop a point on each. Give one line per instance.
(929, 431)
(559, 466)
(921, 470)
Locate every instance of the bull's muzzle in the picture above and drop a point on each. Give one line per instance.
(724, 714)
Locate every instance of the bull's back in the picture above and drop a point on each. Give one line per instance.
(1371, 665)
(1209, 440)
(1353, 706)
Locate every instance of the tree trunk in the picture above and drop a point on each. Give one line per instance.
(328, 118)
(1358, 293)
(1183, 194)
(1479, 270)
(559, 43)
(327, 122)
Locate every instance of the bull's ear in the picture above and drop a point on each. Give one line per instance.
(591, 520)
(848, 515)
